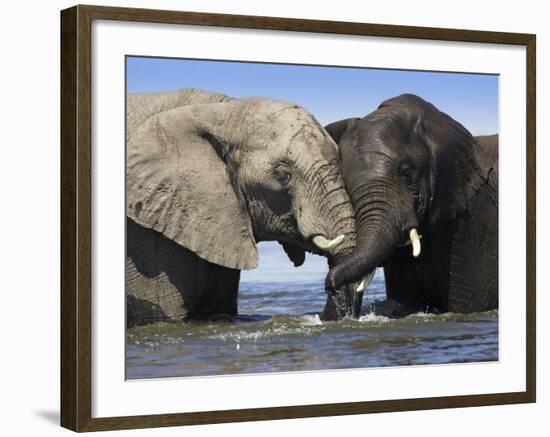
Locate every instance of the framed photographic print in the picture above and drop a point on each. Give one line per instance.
(259, 213)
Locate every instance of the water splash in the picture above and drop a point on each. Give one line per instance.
(374, 318)
(279, 330)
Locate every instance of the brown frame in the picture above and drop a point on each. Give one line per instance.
(76, 255)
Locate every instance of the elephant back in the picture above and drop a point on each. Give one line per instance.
(489, 143)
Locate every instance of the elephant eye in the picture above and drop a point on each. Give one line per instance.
(406, 170)
(283, 176)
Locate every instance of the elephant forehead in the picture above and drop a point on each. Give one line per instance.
(278, 114)
(290, 133)
(311, 142)
(379, 132)
(384, 123)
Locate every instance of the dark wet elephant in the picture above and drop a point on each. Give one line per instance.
(207, 178)
(425, 193)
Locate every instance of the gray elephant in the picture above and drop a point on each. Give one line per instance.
(413, 172)
(209, 176)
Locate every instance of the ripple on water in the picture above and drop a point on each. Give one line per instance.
(265, 338)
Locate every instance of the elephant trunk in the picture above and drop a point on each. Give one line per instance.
(384, 218)
(336, 204)
(372, 249)
(344, 301)
(331, 228)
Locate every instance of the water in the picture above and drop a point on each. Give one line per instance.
(278, 330)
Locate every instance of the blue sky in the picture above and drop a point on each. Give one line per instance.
(329, 93)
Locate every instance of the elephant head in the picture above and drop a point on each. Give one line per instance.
(407, 167)
(216, 175)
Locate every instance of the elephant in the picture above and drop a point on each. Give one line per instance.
(207, 178)
(425, 192)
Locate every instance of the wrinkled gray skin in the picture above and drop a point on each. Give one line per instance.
(208, 177)
(408, 165)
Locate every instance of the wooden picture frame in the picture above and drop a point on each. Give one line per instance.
(76, 217)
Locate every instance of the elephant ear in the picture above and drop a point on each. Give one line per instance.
(459, 165)
(338, 128)
(179, 185)
(140, 107)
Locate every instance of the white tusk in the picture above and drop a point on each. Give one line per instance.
(325, 244)
(409, 242)
(365, 282)
(415, 240)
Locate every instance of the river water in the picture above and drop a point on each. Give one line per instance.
(278, 330)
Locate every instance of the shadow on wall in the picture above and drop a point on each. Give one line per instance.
(50, 416)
